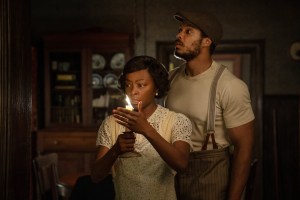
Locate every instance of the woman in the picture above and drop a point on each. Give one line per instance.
(161, 137)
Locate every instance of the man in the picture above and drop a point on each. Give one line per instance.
(210, 174)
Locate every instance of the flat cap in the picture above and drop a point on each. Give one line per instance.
(204, 21)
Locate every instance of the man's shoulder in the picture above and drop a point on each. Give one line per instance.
(227, 75)
(227, 72)
(174, 72)
(229, 81)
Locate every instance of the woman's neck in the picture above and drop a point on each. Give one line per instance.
(149, 110)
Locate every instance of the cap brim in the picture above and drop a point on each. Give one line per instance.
(179, 17)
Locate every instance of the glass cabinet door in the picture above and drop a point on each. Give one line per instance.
(100, 100)
(106, 69)
(65, 88)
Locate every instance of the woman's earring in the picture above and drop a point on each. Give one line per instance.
(156, 94)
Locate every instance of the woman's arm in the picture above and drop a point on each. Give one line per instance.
(176, 155)
(106, 157)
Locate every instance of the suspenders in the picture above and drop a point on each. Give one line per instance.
(211, 113)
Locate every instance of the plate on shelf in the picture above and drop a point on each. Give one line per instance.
(97, 81)
(118, 61)
(110, 81)
(98, 61)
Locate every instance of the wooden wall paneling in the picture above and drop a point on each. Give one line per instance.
(281, 147)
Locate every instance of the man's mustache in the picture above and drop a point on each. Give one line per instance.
(178, 42)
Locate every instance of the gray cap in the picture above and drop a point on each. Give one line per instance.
(204, 21)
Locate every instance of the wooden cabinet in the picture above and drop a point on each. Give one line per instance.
(81, 76)
(81, 88)
(75, 149)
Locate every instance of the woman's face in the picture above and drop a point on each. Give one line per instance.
(139, 86)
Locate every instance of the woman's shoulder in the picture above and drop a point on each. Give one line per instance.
(175, 125)
(109, 121)
(109, 118)
(173, 114)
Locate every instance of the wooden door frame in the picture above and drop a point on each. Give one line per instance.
(15, 100)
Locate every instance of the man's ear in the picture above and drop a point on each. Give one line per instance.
(206, 42)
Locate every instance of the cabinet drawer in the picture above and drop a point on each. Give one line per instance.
(69, 144)
(66, 142)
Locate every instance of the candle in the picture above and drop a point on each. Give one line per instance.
(128, 106)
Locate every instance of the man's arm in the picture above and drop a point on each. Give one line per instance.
(243, 140)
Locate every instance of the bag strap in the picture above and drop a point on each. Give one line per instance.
(211, 113)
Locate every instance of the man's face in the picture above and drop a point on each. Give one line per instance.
(188, 42)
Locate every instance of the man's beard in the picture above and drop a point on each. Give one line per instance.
(191, 53)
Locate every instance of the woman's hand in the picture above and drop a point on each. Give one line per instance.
(134, 121)
(106, 157)
(125, 143)
(175, 155)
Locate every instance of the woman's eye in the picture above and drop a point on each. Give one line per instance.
(127, 85)
(141, 85)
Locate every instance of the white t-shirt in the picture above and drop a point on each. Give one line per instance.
(189, 95)
(147, 176)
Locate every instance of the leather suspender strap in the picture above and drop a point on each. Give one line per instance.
(211, 113)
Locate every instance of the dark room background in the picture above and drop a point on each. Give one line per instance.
(275, 24)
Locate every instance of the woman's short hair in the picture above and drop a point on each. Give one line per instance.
(156, 69)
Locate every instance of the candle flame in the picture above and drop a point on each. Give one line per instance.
(128, 102)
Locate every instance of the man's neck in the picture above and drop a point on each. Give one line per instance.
(198, 65)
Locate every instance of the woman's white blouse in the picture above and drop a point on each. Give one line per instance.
(146, 176)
